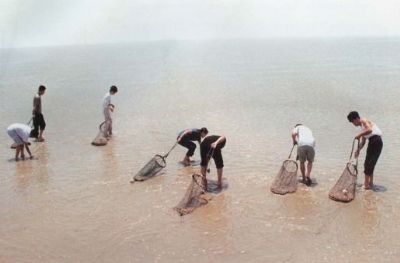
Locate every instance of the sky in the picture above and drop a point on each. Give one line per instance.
(69, 22)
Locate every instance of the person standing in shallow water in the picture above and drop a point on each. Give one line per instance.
(186, 138)
(38, 120)
(370, 131)
(212, 145)
(20, 133)
(303, 137)
(108, 109)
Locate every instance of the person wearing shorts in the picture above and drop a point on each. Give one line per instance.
(187, 137)
(211, 147)
(370, 131)
(20, 133)
(303, 137)
(39, 123)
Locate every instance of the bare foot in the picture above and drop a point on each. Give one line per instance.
(40, 139)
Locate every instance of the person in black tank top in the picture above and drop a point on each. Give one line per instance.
(212, 145)
(186, 138)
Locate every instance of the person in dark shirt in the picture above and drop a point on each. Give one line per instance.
(186, 138)
(211, 147)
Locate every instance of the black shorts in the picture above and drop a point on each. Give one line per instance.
(374, 150)
(205, 150)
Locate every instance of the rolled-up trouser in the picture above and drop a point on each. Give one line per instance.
(191, 146)
(374, 150)
(38, 124)
(107, 122)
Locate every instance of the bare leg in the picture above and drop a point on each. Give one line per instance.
(309, 168)
(186, 160)
(367, 181)
(40, 138)
(203, 173)
(303, 171)
(17, 151)
(219, 173)
(22, 152)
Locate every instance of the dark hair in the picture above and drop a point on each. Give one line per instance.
(114, 89)
(298, 124)
(204, 130)
(41, 88)
(353, 115)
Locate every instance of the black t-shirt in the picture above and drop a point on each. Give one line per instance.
(195, 135)
(209, 140)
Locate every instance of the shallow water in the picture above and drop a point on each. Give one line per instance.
(75, 203)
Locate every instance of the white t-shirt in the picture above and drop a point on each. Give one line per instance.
(22, 130)
(106, 100)
(304, 136)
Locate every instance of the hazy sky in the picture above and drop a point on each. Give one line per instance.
(59, 22)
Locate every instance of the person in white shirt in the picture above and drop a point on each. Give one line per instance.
(108, 108)
(303, 137)
(370, 131)
(20, 134)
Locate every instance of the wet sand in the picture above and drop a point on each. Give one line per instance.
(75, 203)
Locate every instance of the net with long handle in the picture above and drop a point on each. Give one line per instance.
(100, 139)
(345, 188)
(286, 179)
(152, 167)
(194, 196)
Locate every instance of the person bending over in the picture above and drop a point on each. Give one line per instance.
(20, 133)
(187, 137)
(211, 147)
(303, 137)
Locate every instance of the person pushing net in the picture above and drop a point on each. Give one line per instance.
(186, 139)
(211, 147)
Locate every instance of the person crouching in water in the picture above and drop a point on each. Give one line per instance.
(303, 137)
(369, 131)
(211, 147)
(20, 133)
(108, 108)
(186, 138)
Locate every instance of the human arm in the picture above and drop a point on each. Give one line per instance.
(28, 150)
(357, 152)
(220, 140)
(367, 125)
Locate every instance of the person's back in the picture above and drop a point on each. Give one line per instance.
(304, 136)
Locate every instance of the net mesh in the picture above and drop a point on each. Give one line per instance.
(345, 188)
(286, 180)
(156, 164)
(100, 139)
(193, 197)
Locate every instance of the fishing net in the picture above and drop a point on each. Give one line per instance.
(193, 197)
(345, 188)
(100, 139)
(286, 180)
(156, 164)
